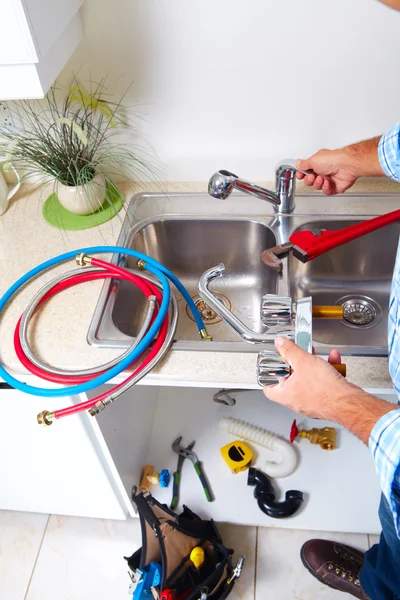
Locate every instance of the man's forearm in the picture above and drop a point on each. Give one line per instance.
(364, 158)
(360, 413)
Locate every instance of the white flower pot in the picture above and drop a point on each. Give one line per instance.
(82, 199)
(7, 188)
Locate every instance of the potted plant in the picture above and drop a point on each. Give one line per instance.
(75, 142)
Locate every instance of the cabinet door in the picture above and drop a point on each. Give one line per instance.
(16, 42)
(62, 469)
(48, 19)
(30, 28)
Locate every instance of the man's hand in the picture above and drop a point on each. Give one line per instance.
(314, 386)
(335, 171)
(317, 390)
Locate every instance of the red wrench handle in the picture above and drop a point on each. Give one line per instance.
(312, 245)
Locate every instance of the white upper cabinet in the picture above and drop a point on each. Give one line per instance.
(37, 38)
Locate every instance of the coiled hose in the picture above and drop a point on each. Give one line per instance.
(264, 438)
(157, 327)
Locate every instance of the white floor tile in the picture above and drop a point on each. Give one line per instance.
(280, 572)
(20, 538)
(243, 540)
(373, 539)
(83, 558)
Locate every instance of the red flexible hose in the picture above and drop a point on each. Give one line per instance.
(59, 287)
(111, 271)
(70, 410)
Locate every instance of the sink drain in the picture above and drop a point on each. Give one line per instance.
(208, 315)
(360, 312)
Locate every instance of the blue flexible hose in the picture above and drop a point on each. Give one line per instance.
(150, 265)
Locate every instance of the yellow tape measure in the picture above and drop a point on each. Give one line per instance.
(237, 455)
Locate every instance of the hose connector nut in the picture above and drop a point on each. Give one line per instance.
(205, 336)
(96, 408)
(45, 418)
(83, 259)
(141, 265)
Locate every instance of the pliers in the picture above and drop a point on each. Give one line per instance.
(186, 452)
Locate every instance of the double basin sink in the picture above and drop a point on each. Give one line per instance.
(193, 232)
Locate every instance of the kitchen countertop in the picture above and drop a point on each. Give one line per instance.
(59, 329)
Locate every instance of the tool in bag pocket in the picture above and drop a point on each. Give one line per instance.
(168, 540)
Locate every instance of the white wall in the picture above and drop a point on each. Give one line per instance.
(239, 84)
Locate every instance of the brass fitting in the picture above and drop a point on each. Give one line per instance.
(83, 259)
(149, 477)
(98, 407)
(325, 437)
(205, 335)
(45, 417)
(141, 265)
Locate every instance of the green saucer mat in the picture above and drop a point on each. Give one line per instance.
(55, 214)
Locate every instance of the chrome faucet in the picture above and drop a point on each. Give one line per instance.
(276, 311)
(224, 182)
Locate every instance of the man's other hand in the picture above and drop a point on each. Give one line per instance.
(335, 171)
(315, 388)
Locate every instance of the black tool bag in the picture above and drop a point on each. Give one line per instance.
(168, 540)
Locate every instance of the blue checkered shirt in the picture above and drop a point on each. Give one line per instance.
(384, 441)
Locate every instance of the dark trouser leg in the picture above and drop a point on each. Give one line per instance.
(380, 575)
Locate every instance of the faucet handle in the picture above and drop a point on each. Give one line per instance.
(271, 367)
(276, 310)
(289, 164)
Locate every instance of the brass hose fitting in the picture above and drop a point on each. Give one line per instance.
(45, 418)
(96, 409)
(83, 259)
(205, 336)
(141, 264)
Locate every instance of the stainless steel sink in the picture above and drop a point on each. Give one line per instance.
(357, 275)
(188, 247)
(194, 232)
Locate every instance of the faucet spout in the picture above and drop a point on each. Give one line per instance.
(222, 184)
(240, 328)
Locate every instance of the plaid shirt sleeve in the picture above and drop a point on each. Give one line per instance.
(389, 152)
(384, 441)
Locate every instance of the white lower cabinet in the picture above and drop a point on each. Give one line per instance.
(87, 466)
(62, 469)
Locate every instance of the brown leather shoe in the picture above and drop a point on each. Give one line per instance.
(335, 565)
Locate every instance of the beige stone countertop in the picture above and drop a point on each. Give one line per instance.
(58, 331)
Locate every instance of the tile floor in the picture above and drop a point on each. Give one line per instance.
(45, 557)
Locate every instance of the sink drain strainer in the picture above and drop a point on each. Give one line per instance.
(208, 315)
(360, 311)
